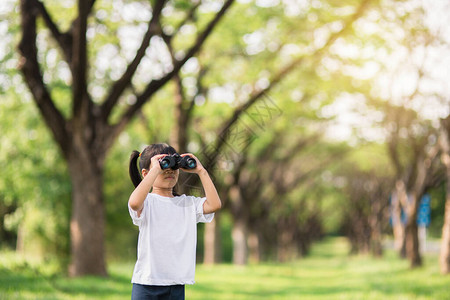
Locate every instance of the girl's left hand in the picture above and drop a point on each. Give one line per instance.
(199, 167)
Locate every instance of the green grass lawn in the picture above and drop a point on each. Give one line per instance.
(328, 273)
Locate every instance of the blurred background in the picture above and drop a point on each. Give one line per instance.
(315, 119)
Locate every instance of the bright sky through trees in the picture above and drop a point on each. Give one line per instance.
(393, 81)
(398, 79)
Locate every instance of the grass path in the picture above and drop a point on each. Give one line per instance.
(328, 273)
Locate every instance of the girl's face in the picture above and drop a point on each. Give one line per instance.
(166, 180)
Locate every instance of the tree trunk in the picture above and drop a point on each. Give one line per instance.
(239, 231)
(212, 248)
(412, 236)
(88, 216)
(286, 247)
(375, 220)
(376, 247)
(239, 236)
(254, 247)
(398, 227)
(210, 239)
(412, 243)
(179, 134)
(444, 259)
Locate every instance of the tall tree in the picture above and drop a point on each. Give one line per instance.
(444, 259)
(368, 193)
(413, 156)
(256, 96)
(411, 134)
(87, 132)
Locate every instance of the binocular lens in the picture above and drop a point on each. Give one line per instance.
(191, 163)
(164, 163)
(175, 162)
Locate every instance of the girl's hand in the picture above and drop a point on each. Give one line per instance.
(199, 167)
(154, 163)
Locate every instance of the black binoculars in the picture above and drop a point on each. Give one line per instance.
(176, 161)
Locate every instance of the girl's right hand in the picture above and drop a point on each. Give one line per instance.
(154, 162)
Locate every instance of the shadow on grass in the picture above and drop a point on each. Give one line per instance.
(399, 283)
(23, 280)
(28, 281)
(268, 292)
(98, 287)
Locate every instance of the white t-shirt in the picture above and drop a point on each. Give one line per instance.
(167, 239)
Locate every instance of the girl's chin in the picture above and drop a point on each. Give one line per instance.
(168, 186)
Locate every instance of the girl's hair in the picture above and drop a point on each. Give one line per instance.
(145, 159)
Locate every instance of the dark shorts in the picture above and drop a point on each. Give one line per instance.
(156, 292)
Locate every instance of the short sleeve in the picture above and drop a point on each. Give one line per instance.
(138, 221)
(201, 217)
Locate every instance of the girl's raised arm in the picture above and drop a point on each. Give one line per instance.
(137, 198)
(212, 202)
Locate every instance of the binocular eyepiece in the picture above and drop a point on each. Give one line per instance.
(176, 161)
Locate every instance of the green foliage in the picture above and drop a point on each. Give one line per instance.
(34, 185)
(34, 182)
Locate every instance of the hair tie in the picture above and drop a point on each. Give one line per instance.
(140, 154)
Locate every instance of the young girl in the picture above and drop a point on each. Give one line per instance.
(167, 224)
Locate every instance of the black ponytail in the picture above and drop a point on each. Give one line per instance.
(135, 175)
